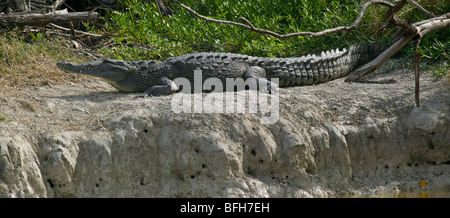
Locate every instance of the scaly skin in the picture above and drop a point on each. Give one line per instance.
(156, 78)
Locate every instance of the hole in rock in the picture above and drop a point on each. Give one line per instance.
(50, 182)
(431, 163)
(253, 153)
(430, 144)
(250, 172)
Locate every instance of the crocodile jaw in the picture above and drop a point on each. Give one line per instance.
(109, 70)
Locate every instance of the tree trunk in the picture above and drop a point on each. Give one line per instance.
(44, 19)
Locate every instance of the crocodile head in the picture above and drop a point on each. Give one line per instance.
(126, 76)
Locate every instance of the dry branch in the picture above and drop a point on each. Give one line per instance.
(250, 26)
(44, 19)
(421, 28)
(422, 9)
(74, 31)
(416, 72)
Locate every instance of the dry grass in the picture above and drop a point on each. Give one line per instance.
(26, 61)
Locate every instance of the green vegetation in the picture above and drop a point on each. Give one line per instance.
(3, 118)
(182, 32)
(30, 58)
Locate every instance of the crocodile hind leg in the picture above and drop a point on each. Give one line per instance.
(256, 76)
(168, 87)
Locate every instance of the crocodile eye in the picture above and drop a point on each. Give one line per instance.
(151, 62)
(114, 62)
(108, 61)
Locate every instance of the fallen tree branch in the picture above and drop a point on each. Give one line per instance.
(378, 61)
(422, 28)
(44, 19)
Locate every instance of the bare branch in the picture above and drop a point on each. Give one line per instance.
(248, 22)
(250, 26)
(422, 28)
(395, 21)
(73, 30)
(422, 9)
(416, 72)
(433, 24)
(377, 62)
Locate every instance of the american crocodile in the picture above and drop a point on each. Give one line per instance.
(157, 78)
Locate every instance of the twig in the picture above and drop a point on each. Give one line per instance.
(74, 31)
(422, 9)
(416, 71)
(250, 26)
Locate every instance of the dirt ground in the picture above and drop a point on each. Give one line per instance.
(89, 105)
(381, 94)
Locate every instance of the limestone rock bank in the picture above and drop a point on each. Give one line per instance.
(333, 139)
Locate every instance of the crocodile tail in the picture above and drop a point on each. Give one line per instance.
(335, 64)
(364, 53)
(312, 69)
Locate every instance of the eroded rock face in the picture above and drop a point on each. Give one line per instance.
(116, 145)
(20, 174)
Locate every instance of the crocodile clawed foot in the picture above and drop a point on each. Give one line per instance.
(160, 90)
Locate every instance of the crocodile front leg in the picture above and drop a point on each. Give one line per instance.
(256, 75)
(167, 87)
